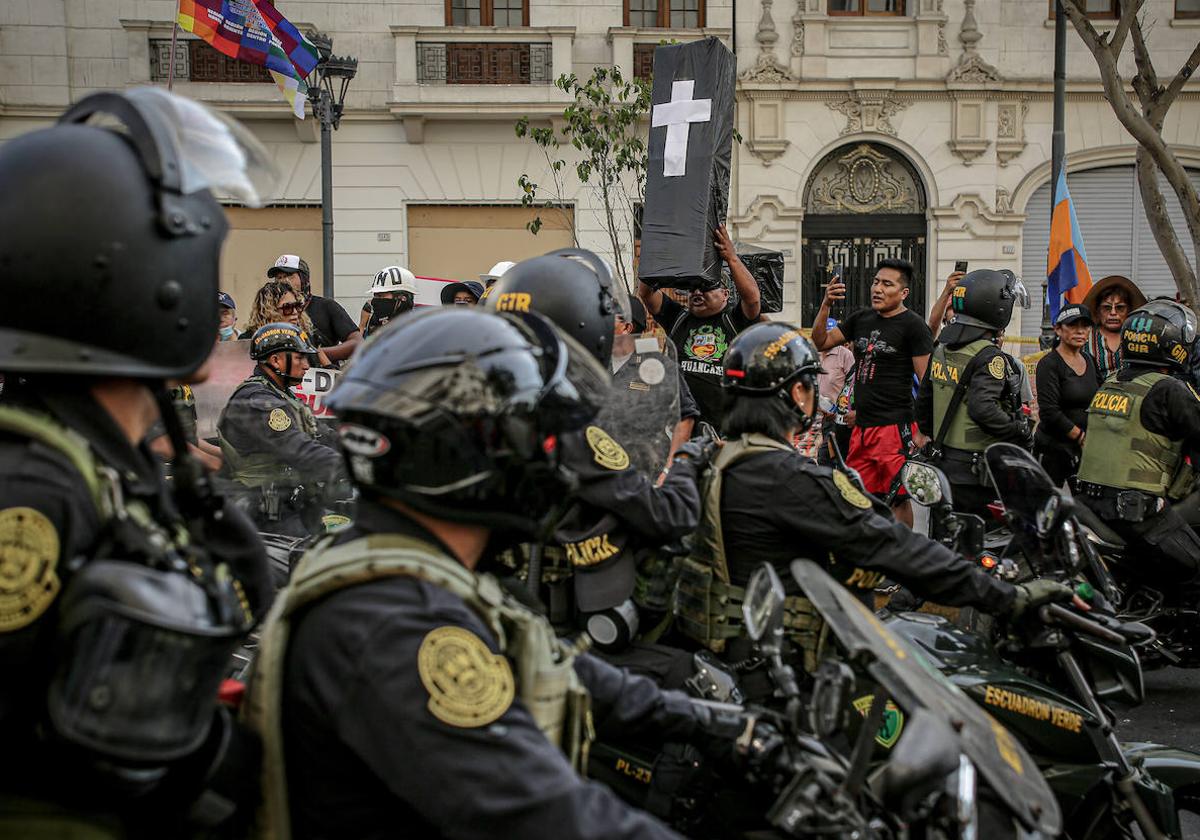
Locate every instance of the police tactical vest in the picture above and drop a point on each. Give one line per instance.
(261, 468)
(945, 370)
(707, 606)
(543, 664)
(1119, 451)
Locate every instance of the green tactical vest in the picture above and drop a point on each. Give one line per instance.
(1118, 450)
(103, 482)
(945, 369)
(544, 665)
(261, 468)
(707, 606)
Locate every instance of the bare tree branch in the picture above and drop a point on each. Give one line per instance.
(1145, 82)
(1129, 11)
(1181, 78)
(1160, 225)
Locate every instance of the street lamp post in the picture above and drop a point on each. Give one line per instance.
(327, 88)
(1058, 148)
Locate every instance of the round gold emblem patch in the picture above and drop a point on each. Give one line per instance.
(609, 454)
(28, 566)
(850, 491)
(996, 367)
(279, 420)
(468, 685)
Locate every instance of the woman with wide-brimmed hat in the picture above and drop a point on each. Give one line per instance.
(1110, 301)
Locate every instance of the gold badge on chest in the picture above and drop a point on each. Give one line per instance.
(609, 454)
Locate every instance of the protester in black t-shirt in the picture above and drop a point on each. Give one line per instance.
(703, 330)
(334, 331)
(890, 344)
(1066, 382)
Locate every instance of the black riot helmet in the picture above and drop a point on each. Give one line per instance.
(1160, 333)
(982, 303)
(765, 361)
(280, 337)
(110, 237)
(456, 412)
(572, 287)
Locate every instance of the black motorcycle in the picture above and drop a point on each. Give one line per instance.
(1050, 678)
(832, 783)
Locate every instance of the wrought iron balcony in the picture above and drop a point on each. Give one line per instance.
(457, 63)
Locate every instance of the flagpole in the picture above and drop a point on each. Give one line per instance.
(171, 58)
(1058, 145)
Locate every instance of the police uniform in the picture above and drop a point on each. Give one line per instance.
(273, 446)
(989, 412)
(405, 702)
(776, 505)
(57, 450)
(1141, 424)
(610, 536)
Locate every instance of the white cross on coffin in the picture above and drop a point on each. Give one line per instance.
(676, 115)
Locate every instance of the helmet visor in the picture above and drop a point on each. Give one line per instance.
(1020, 293)
(215, 152)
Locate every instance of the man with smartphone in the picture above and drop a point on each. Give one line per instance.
(890, 344)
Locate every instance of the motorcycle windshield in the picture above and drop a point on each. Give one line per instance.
(644, 406)
(1029, 496)
(914, 684)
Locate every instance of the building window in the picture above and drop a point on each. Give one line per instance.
(487, 12)
(892, 8)
(1103, 9)
(469, 63)
(643, 61)
(196, 61)
(1187, 8)
(665, 14)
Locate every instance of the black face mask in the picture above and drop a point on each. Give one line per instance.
(384, 308)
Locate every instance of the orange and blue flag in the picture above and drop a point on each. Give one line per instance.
(255, 32)
(1066, 269)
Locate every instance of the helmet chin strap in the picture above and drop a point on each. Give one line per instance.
(286, 376)
(805, 418)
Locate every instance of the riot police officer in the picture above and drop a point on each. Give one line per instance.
(1141, 424)
(281, 465)
(121, 599)
(620, 516)
(971, 395)
(400, 688)
(764, 501)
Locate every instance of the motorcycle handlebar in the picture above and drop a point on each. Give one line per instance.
(1055, 614)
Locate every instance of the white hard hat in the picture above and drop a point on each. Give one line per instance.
(497, 272)
(394, 278)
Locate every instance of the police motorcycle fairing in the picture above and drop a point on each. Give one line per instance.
(1049, 682)
(942, 746)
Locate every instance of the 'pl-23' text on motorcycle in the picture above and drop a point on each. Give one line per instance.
(827, 780)
(1050, 679)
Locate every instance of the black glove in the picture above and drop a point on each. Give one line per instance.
(734, 735)
(1036, 593)
(698, 450)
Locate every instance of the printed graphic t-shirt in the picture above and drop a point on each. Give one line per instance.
(701, 344)
(883, 373)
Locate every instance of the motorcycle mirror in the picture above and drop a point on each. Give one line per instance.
(926, 484)
(762, 608)
(926, 755)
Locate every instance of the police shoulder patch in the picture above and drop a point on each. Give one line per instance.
(468, 685)
(996, 367)
(850, 491)
(29, 581)
(608, 453)
(279, 420)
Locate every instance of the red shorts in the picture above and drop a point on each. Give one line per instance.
(878, 453)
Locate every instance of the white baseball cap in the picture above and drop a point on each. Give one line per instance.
(497, 272)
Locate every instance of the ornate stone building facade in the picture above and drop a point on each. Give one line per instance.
(918, 128)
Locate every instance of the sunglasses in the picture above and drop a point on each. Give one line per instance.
(1116, 308)
(291, 308)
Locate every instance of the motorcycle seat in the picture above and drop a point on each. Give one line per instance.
(1095, 524)
(1189, 508)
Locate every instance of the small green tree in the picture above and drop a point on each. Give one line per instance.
(604, 125)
